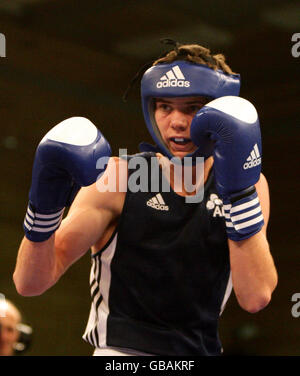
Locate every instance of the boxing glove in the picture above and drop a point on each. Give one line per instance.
(65, 160)
(228, 128)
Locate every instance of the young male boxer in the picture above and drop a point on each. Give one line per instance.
(162, 267)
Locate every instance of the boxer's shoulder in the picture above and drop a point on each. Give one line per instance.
(108, 193)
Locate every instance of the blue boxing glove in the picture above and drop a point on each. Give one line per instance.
(228, 128)
(65, 160)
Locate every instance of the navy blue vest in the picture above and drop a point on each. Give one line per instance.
(169, 273)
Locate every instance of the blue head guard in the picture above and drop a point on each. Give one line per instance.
(181, 79)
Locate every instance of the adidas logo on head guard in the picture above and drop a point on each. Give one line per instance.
(254, 158)
(173, 78)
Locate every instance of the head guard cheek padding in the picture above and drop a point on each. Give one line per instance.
(182, 79)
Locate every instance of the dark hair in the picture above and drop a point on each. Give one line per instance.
(195, 54)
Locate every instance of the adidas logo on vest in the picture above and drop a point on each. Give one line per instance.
(254, 158)
(173, 78)
(157, 202)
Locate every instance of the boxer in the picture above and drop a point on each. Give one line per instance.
(162, 268)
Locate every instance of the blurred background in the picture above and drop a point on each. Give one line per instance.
(75, 58)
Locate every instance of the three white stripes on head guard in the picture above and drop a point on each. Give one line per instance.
(173, 74)
(33, 221)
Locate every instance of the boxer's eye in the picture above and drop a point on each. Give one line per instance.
(164, 107)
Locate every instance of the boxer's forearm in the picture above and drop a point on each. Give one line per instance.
(254, 274)
(35, 267)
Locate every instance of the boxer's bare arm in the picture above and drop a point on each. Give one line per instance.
(254, 274)
(40, 264)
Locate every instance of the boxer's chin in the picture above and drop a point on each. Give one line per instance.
(182, 149)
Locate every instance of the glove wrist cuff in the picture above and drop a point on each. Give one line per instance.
(39, 226)
(243, 214)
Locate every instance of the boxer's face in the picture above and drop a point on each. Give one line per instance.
(173, 117)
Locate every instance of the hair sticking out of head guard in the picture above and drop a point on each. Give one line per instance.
(181, 79)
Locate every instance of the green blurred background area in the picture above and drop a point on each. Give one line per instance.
(71, 58)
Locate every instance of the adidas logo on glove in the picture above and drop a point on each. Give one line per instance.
(173, 78)
(254, 158)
